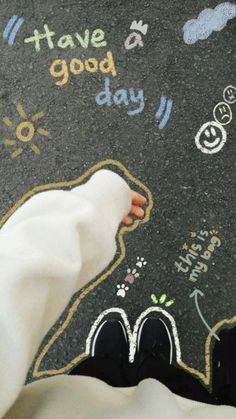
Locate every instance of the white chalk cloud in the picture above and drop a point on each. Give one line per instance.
(208, 21)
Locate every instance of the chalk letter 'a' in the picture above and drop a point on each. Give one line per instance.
(66, 41)
(137, 40)
(104, 97)
(84, 42)
(121, 97)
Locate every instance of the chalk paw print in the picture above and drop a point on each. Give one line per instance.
(131, 275)
(162, 300)
(213, 232)
(121, 290)
(141, 262)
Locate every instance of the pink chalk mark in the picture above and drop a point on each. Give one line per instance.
(129, 278)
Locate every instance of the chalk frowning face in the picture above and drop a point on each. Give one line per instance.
(222, 113)
(211, 137)
(230, 94)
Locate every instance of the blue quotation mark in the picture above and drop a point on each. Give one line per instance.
(12, 28)
(166, 108)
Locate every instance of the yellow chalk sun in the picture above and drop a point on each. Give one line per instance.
(25, 131)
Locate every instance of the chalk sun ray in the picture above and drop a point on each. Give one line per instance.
(7, 122)
(9, 142)
(21, 111)
(35, 149)
(16, 153)
(43, 132)
(37, 116)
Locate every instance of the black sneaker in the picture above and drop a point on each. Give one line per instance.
(111, 341)
(108, 360)
(224, 367)
(154, 339)
(156, 357)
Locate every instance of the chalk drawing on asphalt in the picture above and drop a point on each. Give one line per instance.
(208, 21)
(135, 38)
(133, 335)
(24, 132)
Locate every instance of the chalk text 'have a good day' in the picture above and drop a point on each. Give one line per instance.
(61, 69)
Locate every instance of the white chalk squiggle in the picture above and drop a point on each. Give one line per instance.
(132, 335)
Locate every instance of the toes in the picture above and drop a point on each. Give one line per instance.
(138, 199)
(137, 211)
(127, 220)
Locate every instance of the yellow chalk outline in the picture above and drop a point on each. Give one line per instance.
(36, 373)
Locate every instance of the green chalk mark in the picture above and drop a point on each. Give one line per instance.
(163, 298)
(169, 303)
(154, 299)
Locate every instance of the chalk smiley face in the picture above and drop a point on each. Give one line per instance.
(229, 94)
(222, 113)
(211, 137)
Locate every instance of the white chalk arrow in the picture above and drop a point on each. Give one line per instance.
(195, 294)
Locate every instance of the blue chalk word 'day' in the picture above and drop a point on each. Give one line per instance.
(122, 97)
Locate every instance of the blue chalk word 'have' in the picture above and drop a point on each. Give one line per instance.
(121, 97)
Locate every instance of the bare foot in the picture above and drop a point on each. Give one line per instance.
(138, 201)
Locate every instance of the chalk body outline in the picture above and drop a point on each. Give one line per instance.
(123, 230)
(204, 376)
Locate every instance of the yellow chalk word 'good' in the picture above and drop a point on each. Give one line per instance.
(61, 69)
